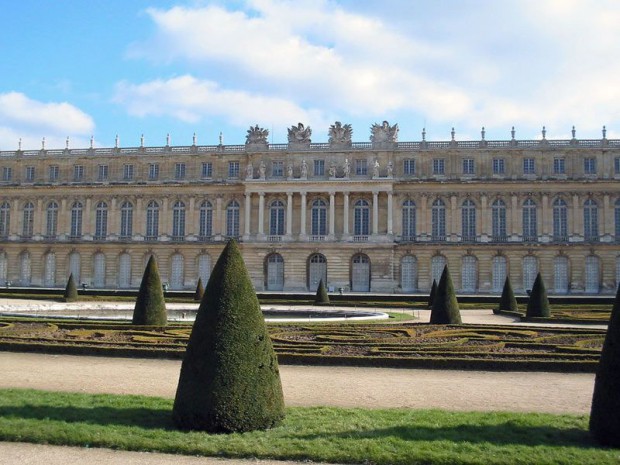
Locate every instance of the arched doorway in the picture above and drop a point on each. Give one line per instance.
(317, 271)
(408, 273)
(360, 273)
(274, 279)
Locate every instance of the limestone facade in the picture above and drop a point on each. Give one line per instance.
(382, 216)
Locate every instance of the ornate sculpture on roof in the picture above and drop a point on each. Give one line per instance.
(383, 133)
(299, 134)
(257, 135)
(340, 134)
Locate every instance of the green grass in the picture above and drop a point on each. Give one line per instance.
(394, 436)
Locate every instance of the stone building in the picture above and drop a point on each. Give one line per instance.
(378, 216)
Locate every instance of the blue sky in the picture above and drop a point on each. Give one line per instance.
(74, 69)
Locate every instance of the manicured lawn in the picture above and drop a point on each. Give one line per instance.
(395, 436)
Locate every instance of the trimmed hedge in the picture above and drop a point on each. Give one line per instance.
(150, 306)
(445, 306)
(71, 293)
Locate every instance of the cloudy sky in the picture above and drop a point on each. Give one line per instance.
(74, 69)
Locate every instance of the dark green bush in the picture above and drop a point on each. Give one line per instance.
(200, 291)
(538, 303)
(321, 297)
(71, 293)
(605, 412)
(445, 309)
(431, 296)
(230, 381)
(507, 301)
(150, 306)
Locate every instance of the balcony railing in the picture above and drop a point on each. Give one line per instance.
(360, 238)
(317, 238)
(500, 238)
(274, 238)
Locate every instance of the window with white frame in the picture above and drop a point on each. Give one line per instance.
(498, 221)
(276, 218)
(319, 167)
(409, 220)
(206, 170)
(560, 274)
(51, 227)
(318, 215)
(589, 165)
(468, 221)
(499, 166)
(53, 173)
(101, 221)
(233, 169)
(5, 219)
(204, 267)
(99, 270)
(128, 172)
(178, 221)
(102, 172)
(30, 173)
(617, 220)
(177, 271)
(469, 273)
(205, 229)
(78, 173)
(126, 220)
(529, 166)
(592, 272)
(438, 220)
(179, 171)
(153, 171)
(560, 220)
(439, 166)
(277, 168)
(28, 220)
(530, 270)
(469, 167)
(499, 272)
(25, 271)
(75, 266)
(408, 166)
(361, 212)
(124, 271)
(232, 219)
(49, 272)
(152, 220)
(530, 230)
(559, 165)
(7, 173)
(590, 220)
(76, 220)
(438, 263)
(361, 167)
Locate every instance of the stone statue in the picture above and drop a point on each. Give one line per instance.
(332, 170)
(390, 169)
(257, 135)
(340, 134)
(304, 169)
(289, 170)
(375, 169)
(346, 168)
(249, 172)
(299, 134)
(384, 133)
(261, 169)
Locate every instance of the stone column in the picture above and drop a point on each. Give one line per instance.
(247, 212)
(113, 219)
(261, 214)
(192, 218)
(332, 215)
(289, 215)
(16, 218)
(345, 213)
(608, 218)
(375, 213)
(139, 219)
(302, 226)
(164, 220)
(63, 231)
(390, 219)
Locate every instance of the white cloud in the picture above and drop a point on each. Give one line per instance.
(31, 120)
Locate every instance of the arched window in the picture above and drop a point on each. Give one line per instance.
(438, 263)
(530, 231)
(409, 220)
(51, 228)
(101, 221)
(317, 270)
(318, 215)
(5, 219)
(178, 221)
(593, 278)
(28, 223)
(469, 273)
(25, 269)
(590, 220)
(205, 230)
(438, 221)
(560, 274)
(409, 273)
(4, 267)
(75, 266)
(274, 272)
(177, 265)
(152, 221)
(204, 268)
(99, 270)
(560, 221)
(76, 221)
(232, 219)
(126, 220)
(530, 270)
(498, 222)
(124, 271)
(360, 273)
(276, 218)
(500, 271)
(468, 221)
(49, 276)
(361, 212)
(617, 220)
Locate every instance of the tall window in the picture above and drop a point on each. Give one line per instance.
(28, 223)
(25, 272)
(232, 219)
(409, 220)
(233, 169)
(177, 271)
(207, 170)
(560, 221)
(128, 172)
(78, 173)
(590, 220)
(318, 218)
(51, 228)
(499, 270)
(499, 166)
(438, 263)
(126, 220)
(361, 212)
(99, 270)
(75, 266)
(7, 173)
(529, 166)
(408, 273)
(361, 167)
(469, 273)
(592, 271)
(617, 165)
(589, 165)
(469, 166)
(408, 166)
(153, 171)
(559, 166)
(530, 270)
(205, 230)
(49, 271)
(277, 168)
(438, 221)
(178, 221)
(530, 232)
(76, 220)
(468, 221)
(179, 171)
(101, 220)
(5, 219)
(439, 166)
(276, 218)
(319, 167)
(204, 267)
(124, 271)
(498, 221)
(560, 274)
(152, 220)
(53, 173)
(102, 173)
(30, 173)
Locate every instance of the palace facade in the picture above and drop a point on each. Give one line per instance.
(378, 216)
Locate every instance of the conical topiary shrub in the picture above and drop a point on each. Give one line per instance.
(431, 296)
(150, 306)
(71, 293)
(229, 379)
(445, 309)
(605, 413)
(321, 297)
(200, 291)
(538, 303)
(507, 301)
